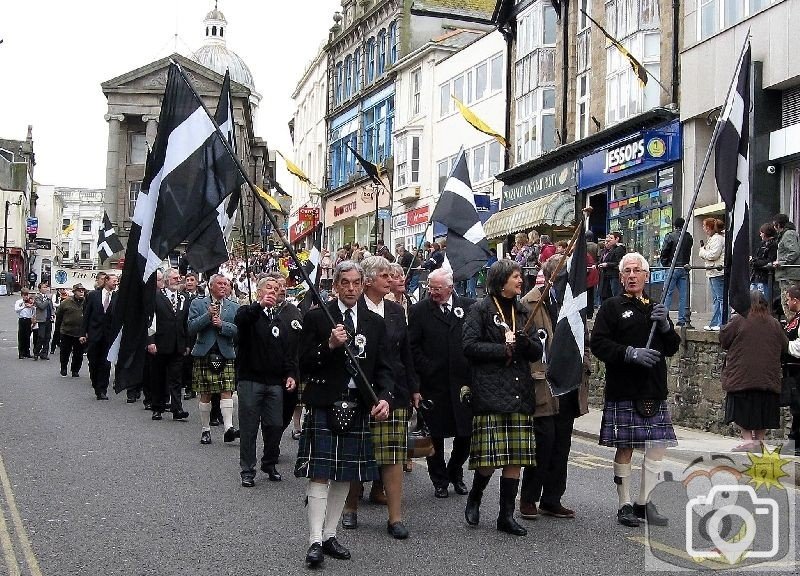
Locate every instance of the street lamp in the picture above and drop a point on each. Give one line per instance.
(5, 232)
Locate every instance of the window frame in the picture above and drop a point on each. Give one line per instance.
(416, 90)
(132, 198)
(376, 132)
(137, 148)
(86, 224)
(468, 80)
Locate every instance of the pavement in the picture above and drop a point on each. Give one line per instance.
(93, 487)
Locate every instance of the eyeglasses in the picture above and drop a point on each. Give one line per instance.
(632, 271)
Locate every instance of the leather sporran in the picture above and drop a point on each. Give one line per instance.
(343, 415)
(647, 408)
(216, 362)
(420, 443)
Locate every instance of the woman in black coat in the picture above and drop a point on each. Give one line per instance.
(500, 351)
(766, 254)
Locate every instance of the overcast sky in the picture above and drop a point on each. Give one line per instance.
(55, 54)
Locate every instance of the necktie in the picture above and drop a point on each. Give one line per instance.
(174, 302)
(106, 300)
(445, 309)
(348, 322)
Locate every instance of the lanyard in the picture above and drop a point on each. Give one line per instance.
(503, 317)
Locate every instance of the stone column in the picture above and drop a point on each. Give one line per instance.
(152, 128)
(111, 199)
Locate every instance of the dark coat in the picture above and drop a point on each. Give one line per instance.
(755, 345)
(97, 324)
(612, 257)
(441, 365)
(267, 350)
(499, 387)
(765, 255)
(325, 370)
(171, 332)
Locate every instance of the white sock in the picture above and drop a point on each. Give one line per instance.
(650, 472)
(204, 408)
(317, 495)
(622, 478)
(337, 495)
(235, 398)
(226, 407)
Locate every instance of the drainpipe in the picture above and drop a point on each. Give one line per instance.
(508, 31)
(676, 22)
(565, 69)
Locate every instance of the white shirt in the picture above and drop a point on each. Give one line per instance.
(449, 304)
(378, 308)
(22, 310)
(354, 316)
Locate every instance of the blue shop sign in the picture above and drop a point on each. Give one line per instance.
(641, 152)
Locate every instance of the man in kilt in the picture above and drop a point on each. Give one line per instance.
(635, 414)
(389, 438)
(332, 455)
(211, 320)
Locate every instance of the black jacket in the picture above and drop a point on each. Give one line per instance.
(171, 331)
(325, 370)
(622, 321)
(499, 387)
(97, 323)
(668, 249)
(267, 351)
(441, 365)
(766, 254)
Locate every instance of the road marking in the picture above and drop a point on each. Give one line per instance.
(22, 534)
(8, 547)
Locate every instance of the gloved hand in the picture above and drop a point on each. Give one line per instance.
(660, 315)
(646, 357)
(526, 346)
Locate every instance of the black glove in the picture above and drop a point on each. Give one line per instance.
(660, 315)
(646, 357)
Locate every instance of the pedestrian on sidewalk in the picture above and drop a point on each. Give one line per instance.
(713, 252)
(680, 276)
(26, 314)
(45, 312)
(98, 335)
(69, 329)
(635, 414)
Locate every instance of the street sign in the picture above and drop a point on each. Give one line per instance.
(308, 215)
(32, 225)
(44, 243)
(384, 214)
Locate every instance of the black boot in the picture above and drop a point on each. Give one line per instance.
(472, 512)
(508, 503)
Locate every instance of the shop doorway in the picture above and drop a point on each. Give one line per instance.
(598, 202)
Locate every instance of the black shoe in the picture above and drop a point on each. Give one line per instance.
(35, 358)
(148, 405)
(627, 517)
(231, 434)
(216, 422)
(473, 510)
(102, 396)
(75, 375)
(440, 491)
(180, 415)
(26, 356)
(460, 488)
(397, 530)
(314, 556)
(205, 437)
(248, 482)
(131, 400)
(349, 520)
(156, 415)
(332, 548)
(190, 395)
(44, 357)
(508, 503)
(272, 472)
(649, 514)
(63, 373)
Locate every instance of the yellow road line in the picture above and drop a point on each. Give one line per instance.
(8, 547)
(22, 534)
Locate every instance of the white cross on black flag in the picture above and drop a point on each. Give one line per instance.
(108, 243)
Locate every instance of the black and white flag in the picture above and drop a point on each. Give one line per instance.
(732, 172)
(467, 248)
(565, 363)
(108, 242)
(188, 174)
(211, 247)
(313, 270)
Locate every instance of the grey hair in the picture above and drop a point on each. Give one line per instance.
(170, 272)
(374, 265)
(395, 268)
(634, 256)
(550, 264)
(264, 280)
(346, 266)
(445, 275)
(214, 278)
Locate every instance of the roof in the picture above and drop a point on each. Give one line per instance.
(477, 10)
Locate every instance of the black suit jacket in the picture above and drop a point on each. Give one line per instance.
(325, 370)
(97, 323)
(171, 336)
(436, 342)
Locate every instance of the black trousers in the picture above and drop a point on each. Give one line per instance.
(41, 339)
(70, 345)
(166, 375)
(272, 434)
(99, 367)
(441, 474)
(547, 481)
(186, 372)
(24, 337)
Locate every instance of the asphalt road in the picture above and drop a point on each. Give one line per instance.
(92, 487)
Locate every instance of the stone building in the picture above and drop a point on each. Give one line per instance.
(49, 211)
(18, 201)
(82, 207)
(134, 104)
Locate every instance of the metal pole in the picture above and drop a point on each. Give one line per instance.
(376, 192)
(5, 238)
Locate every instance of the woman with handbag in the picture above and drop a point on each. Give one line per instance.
(500, 350)
(635, 414)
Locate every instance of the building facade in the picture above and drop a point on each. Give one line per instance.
(18, 198)
(49, 211)
(83, 213)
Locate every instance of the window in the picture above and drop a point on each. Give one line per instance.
(534, 132)
(625, 95)
(480, 80)
(583, 21)
(377, 122)
(381, 52)
(348, 77)
(407, 160)
(495, 158)
(479, 164)
(582, 107)
(370, 60)
(444, 99)
(716, 15)
(392, 42)
(338, 81)
(133, 192)
(138, 151)
(86, 225)
(357, 70)
(472, 84)
(86, 250)
(497, 73)
(343, 163)
(416, 91)
(65, 249)
(64, 223)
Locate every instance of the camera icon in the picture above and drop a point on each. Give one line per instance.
(731, 517)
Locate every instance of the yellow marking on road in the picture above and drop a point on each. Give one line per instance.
(19, 527)
(8, 547)
(592, 460)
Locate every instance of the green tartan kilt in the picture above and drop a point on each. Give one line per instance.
(502, 440)
(390, 438)
(206, 381)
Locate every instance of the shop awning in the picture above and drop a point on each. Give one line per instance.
(557, 209)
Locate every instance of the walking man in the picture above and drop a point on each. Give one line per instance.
(45, 310)
(98, 334)
(69, 330)
(680, 276)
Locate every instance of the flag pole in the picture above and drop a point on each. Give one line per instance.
(246, 259)
(696, 193)
(549, 282)
(362, 378)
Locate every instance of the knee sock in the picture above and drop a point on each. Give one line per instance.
(650, 471)
(317, 495)
(622, 478)
(337, 494)
(235, 399)
(226, 407)
(204, 408)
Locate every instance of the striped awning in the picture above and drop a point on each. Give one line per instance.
(557, 209)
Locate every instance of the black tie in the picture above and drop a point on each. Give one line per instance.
(348, 322)
(445, 309)
(174, 302)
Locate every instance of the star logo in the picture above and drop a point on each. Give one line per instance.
(767, 469)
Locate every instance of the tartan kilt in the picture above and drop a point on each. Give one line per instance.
(340, 457)
(206, 381)
(390, 438)
(624, 427)
(502, 440)
(301, 385)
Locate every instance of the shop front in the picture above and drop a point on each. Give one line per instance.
(632, 185)
(409, 228)
(301, 226)
(350, 217)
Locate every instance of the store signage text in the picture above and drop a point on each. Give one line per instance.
(624, 156)
(555, 180)
(411, 218)
(344, 208)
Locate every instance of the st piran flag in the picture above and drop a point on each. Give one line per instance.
(108, 242)
(188, 174)
(732, 166)
(467, 248)
(210, 249)
(565, 362)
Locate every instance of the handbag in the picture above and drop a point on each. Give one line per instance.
(343, 414)
(420, 443)
(647, 408)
